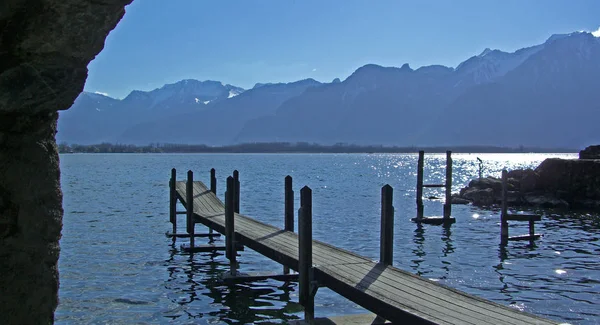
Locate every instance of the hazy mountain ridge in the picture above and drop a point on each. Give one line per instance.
(526, 99)
(95, 117)
(221, 121)
(532, 92)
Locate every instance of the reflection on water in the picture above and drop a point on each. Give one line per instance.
(418, 251)
(117, 266)
(194, 283)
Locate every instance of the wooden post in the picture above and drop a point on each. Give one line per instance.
(173, 201)
(503, 214)
(420, 184)
(531, 230)
(386, 246)
(236, 196)
(306, 296)
(289, 211)
(213, 181)
(448, 203)
(213, 189)
(189, 191)
(230, 252)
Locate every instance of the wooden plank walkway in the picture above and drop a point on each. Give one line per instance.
(391, 293)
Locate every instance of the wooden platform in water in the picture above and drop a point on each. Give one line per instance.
(435, 220)
(186, 235)
(391, 293)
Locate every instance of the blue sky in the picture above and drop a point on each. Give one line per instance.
(248, 41)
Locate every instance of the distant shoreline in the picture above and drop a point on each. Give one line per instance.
(301, 147)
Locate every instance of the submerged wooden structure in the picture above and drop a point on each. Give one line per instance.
(392, 294)
(505, 217)
(447, 218)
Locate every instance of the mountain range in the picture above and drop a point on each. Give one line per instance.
(544, 95)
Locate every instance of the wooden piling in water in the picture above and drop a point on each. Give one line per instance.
(288, 211)
(230, 251)
(386, 245)
(190, 224)
(448, 203)
(213, 189)
(173, 201)
(420, 184)
(504, 212)
(213, 181)
(305, 283)
(236, 197)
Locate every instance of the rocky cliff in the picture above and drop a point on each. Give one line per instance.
(45, 47)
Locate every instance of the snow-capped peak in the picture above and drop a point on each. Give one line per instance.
(233, 93)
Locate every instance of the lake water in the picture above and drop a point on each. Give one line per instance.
(118, 267)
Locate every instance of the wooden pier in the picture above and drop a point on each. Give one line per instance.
(446, 218)
(390, 293)
(505, 217)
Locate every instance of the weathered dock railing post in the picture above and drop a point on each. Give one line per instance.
(307, 289)
(213, 181)
(289, 211)
(420, 184)
(448, 203)
(236, 197)
(504, 212)
(532, 229)
(386, 246)
(189, 191)
(230, 251)
(213, 189)
(173, 201)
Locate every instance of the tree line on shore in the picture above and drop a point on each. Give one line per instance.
(285, 147)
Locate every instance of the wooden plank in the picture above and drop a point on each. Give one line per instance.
(434, 185)
(360, 319)
(525, 237)
(434, 220)
(184, 235)
(523, 217)
(403, 296)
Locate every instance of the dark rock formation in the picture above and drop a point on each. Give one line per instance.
(555, 183)
(45, 47)
(591, 152)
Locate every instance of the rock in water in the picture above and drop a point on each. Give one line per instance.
(555, 183)
(591, 152)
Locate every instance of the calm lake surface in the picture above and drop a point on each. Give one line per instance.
(118, 267)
